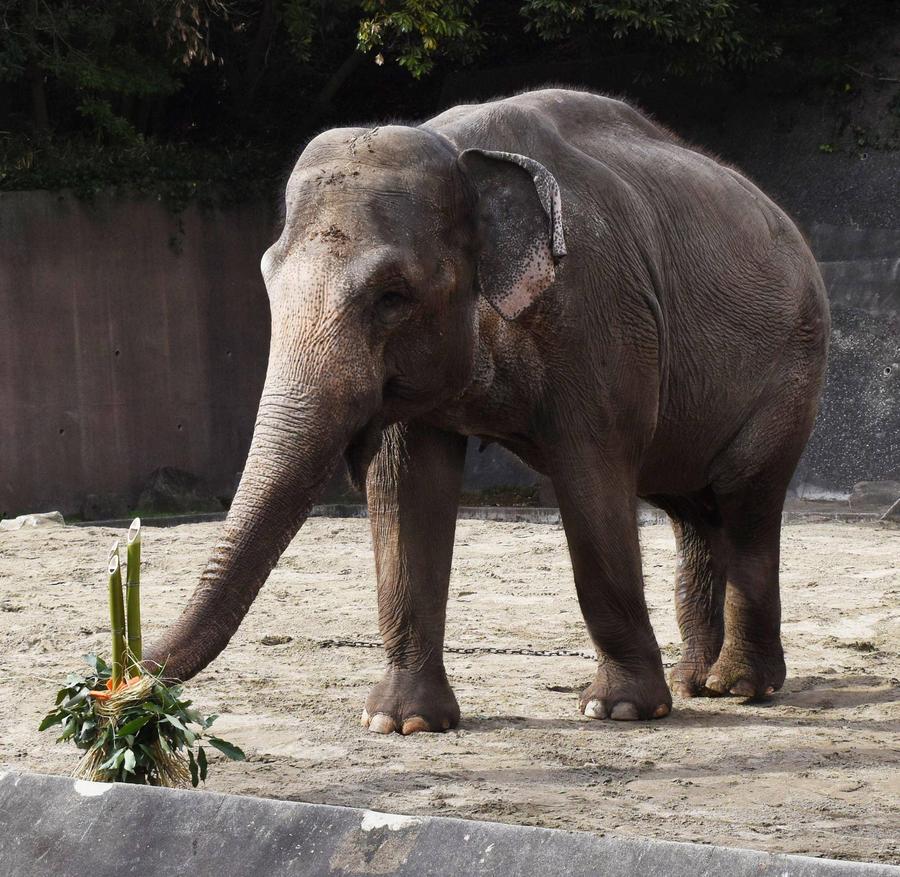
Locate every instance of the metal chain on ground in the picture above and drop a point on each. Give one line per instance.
(464, 650)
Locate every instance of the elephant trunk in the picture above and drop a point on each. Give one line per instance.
(296, 444)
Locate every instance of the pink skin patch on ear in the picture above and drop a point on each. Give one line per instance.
(534, 276)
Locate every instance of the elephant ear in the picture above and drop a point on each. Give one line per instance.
(520, 219)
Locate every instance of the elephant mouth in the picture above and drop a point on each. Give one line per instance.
(363, 446)
(400, 400)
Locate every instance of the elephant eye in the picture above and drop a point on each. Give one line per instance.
(392, 307)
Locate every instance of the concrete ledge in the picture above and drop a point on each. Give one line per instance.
(53, 825)
(508, 514)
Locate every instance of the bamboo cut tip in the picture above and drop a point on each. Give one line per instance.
(114, 550)
(134, 531)
(114, 559)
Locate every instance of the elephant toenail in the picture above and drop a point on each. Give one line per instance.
(596, 709)
(382, 724)
(770, 690)
(365, 718)
(414, 724)
(446, 724)
(715, 684)
(661, 711)
(624, 712)
(743, 688)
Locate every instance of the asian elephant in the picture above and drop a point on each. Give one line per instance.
(556, 273)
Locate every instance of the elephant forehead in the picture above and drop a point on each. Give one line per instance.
(372, 165)
(343, 218)
(386, 146)
(352, 190)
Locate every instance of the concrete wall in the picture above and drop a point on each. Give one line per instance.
(128, 341)
(857, 433)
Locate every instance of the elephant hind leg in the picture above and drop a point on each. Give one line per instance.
(727, 595)
(750, 484)
(700, 577)
(699, 605)
(751, 659)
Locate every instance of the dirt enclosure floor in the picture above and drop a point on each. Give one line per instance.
(814, 770)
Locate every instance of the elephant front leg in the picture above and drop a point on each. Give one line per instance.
(598, 508)
(413, 490)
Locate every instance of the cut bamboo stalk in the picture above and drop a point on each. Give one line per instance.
(116, 616)
(133, 596)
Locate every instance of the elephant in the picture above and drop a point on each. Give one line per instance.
(557, 273)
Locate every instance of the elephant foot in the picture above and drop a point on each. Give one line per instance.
(688, 677)
(409, 702)
(627, 693)
(746, 671)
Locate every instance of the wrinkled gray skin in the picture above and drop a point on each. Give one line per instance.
(665, 339)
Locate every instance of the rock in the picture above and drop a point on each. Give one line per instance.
(38, 519)
(104, 507)
(874, 496)
(861, 646)
(174, 491)
(275, 639)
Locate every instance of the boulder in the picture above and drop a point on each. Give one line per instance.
(173, 491)
(104, 507)
(38, 519)
(874, 496)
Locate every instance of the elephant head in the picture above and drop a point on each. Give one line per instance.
(390, 237)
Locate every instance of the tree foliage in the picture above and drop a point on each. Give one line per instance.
(103, 52)
(701, 34)
(187, 92)
(416, 31)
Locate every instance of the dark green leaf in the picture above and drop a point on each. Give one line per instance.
(98, 665)
(194, 716)
(50, 720)
(229, 750)
(134, 725)
(201, 761)
(193, 766)
(113, 762)
(75, 699)
(175, 722)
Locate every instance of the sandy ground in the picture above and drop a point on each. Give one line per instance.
(814, 770)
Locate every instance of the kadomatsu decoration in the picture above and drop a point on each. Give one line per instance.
(131, 724)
